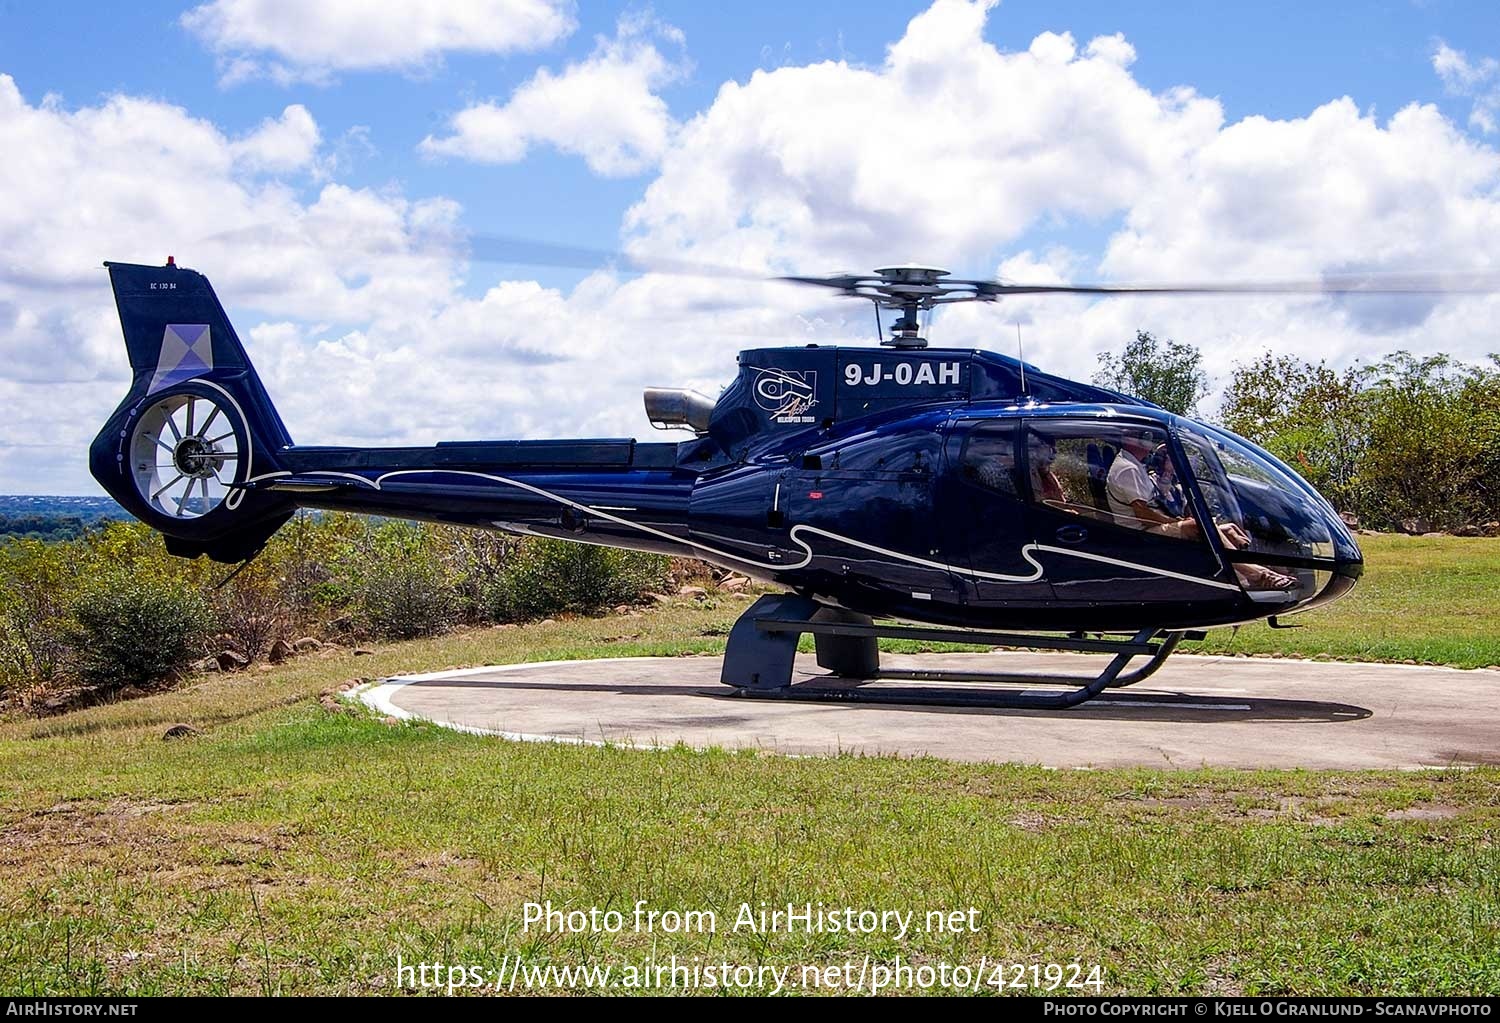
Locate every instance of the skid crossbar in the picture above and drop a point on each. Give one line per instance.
(763, 643)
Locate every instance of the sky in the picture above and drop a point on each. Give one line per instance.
(334, 167)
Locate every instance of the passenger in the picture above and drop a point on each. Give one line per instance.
(1164, 478)
(995, 471)
(1045, 485)
(1135, 501)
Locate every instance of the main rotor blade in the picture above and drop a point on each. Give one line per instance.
(506, 250)
(1474, 282)
(511, 250)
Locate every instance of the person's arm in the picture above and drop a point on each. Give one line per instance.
(1148, 512)
(1138, 487)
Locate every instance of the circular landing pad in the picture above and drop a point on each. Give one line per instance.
(1196, 711)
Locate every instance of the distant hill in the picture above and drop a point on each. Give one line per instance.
(54, 517)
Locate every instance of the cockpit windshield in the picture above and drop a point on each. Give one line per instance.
(1250, 495)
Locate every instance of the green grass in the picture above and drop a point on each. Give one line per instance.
(1431, 600)
(293, 849)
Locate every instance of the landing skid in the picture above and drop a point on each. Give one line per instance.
(762, 646)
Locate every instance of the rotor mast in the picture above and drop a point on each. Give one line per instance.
(911, 290)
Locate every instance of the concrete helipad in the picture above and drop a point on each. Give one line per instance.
(1197, 711)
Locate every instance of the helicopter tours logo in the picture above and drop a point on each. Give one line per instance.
(788, 395)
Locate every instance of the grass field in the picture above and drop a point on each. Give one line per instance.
(291, 848)
(1425, 599)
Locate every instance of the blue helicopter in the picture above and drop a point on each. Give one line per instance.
(961, 490)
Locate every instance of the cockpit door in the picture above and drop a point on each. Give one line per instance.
(983, 503)
(1112, 521)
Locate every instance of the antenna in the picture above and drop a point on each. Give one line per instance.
(1021, 360)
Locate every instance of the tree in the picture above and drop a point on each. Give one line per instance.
(1434, 437)
(1407, 440)
(1312, 417)
(1166, 373)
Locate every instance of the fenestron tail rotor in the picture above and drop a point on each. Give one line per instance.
(185, 451)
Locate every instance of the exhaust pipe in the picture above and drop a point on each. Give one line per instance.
(676, 408)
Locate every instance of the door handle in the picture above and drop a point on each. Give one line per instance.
(1072, 534)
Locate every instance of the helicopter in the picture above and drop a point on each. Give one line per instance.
(903, 490)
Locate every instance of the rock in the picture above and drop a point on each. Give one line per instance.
(231, 661)
(1416, 527)
(393, 722)
(696, 592)
(344, 623)
(1433, 534)
(1468, 531)
(305, 644)
(547, 621)
(622, 609)
(207, 664)
(661, 598)
(362, 651)
(280, 651)
(179, 732)
(734, 584)
(1490, 529)
(508, 625)
(1350, 519)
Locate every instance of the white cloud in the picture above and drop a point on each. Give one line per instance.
(287, 143)
(604, 109)
(949, 148)
(1478, 80)
(1333, 190)
(952, 149)
(137, 180)
(291, 40)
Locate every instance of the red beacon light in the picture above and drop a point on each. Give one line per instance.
(171, 260)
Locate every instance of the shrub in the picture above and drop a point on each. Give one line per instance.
(133, 629)
(1434, 438)
(474, 559)
(36, 580)
(310, 555)
(404, 589)
(250, 610)
(550, 576)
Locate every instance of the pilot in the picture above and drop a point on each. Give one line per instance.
(1135, 501)
(1133, 497)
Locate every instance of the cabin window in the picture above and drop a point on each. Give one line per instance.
(1120, 473)
(989, 458)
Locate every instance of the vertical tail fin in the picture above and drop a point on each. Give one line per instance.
(196, 423)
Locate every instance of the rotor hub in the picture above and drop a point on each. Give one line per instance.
(197, 457)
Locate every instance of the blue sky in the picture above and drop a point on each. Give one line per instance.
(1278, 59)
(1207, 141)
